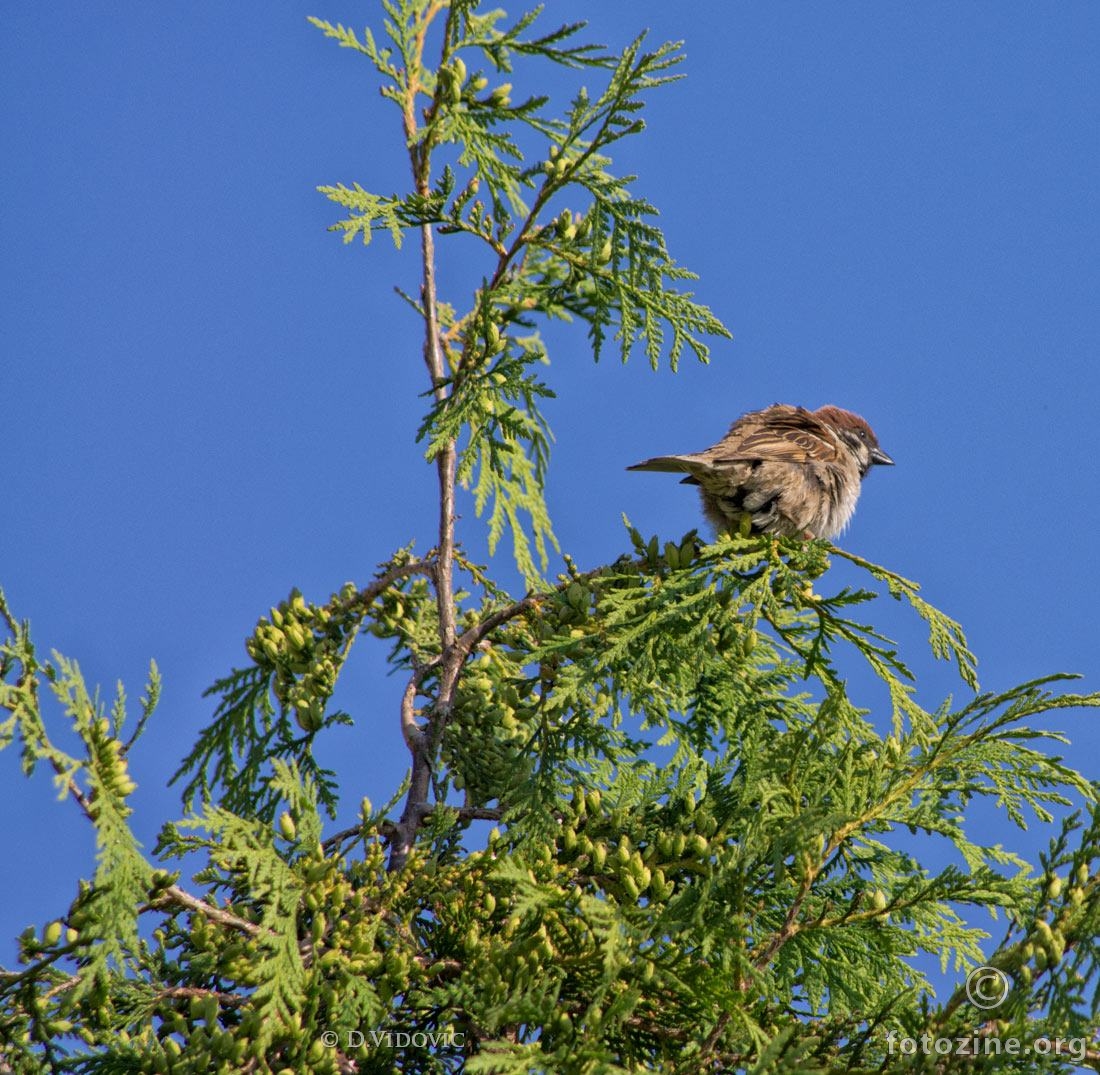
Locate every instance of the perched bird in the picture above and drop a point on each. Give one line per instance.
(784, 470)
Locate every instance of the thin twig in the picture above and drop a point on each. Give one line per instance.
(173, 894)
(422, 742)
(365, 597)
(410, 730)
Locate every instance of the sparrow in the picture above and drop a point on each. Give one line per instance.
(784, 469)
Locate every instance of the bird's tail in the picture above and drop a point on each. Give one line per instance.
(668, 464)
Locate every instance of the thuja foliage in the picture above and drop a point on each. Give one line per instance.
(704, 855)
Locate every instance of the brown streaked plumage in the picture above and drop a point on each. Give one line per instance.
(790, 470)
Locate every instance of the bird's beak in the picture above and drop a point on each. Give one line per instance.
(880, 457)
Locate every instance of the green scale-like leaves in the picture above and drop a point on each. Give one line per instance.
(608, 266)
(711, 852)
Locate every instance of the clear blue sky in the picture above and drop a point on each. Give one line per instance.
(207, 399)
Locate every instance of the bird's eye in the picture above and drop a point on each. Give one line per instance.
(862, 434)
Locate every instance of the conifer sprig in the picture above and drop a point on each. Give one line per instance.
(709, 853)
(607, 265)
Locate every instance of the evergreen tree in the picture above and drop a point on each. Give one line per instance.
(755, 901)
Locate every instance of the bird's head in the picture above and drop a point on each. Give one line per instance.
(856, 435)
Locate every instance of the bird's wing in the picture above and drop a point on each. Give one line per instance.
(781, 434)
